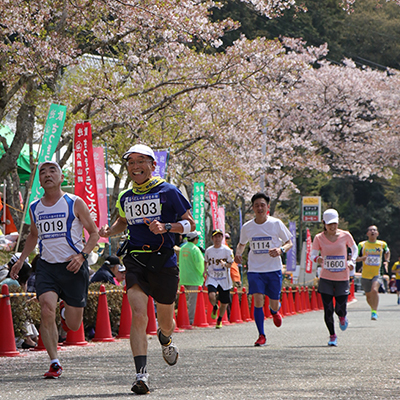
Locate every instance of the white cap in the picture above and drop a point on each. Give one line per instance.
(49, 162)
(331, 216)
(121, 268)
(141, 149)
(192, 235)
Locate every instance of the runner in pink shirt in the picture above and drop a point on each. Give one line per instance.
(329, 250)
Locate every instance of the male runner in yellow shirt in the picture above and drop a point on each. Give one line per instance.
(370, 253)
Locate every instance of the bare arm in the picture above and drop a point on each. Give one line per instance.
(82, 213)
(276, 252)
(239, 251)
(117, 227)
(158, 227)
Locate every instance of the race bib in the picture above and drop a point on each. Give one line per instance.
(335, 263)
(51, 226)
(218, 274)
(260, 245)
(374, 260)
(142, 209)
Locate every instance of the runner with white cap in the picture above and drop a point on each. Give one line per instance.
(329, 250)
(150, 211)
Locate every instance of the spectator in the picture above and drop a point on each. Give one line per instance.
(191, 270)
(109, 271)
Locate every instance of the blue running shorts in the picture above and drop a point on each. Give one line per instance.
(268, 283)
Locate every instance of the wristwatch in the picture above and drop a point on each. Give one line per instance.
(283, 250)
(85, 255)
(168, 226)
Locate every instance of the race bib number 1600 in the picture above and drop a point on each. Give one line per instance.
(143, 209)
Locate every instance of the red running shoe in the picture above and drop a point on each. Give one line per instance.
(63, 323)
(54, 372)
(277, 319)
(261, 341)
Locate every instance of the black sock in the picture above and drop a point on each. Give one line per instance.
(219, 320)
(140, 364)
(163, 339)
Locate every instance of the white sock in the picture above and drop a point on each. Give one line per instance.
(56, 360)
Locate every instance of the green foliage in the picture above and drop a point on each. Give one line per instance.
(371, 32)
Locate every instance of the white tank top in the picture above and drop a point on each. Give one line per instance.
(60, 232)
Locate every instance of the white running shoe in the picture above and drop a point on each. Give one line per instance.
(141, 384)
(170, 352)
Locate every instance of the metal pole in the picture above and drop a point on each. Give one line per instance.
(108, 199)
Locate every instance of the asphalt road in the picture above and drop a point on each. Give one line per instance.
(221, 364)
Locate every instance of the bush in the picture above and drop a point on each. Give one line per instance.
(23, 309)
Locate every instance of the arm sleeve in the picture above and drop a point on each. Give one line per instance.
(354, 254)
(314, 254)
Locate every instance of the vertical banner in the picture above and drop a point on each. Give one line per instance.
(199, 212)
(214, 207)
(308, 254)
(51, 137)
(161, 167)
(98, 156)
(291, 257)
(85, 176)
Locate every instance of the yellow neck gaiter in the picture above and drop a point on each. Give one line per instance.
(147, 186)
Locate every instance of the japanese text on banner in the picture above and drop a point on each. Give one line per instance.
(85, 175)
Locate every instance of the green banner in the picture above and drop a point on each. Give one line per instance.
(199, 212)
(52, 133)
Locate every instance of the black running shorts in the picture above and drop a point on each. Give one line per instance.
(72, 288)
(161, 285)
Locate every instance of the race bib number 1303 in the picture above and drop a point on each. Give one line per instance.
(143, 209)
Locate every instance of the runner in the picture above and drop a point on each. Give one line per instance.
(62, 270)
(218, 260)
(333, 243)
(370, 253)
(269, 239)
(396, 270)
(149, 210)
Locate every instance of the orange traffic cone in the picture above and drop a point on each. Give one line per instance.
(314, 303)
(40, 345)
(267, 311)
(235, 316)
(76, 338)
(308, 306)
(176, 329)
(303, 296)
(297, 301)
(151, 315)
(284, 302)
(200, 318)
(7, 336)
(183, 314)
(319, 301)
(292, 308)
(103, 326)
(244, 306)
(351, 295)
(125, 320)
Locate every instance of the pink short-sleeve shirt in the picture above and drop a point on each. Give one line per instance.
(334, 254)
